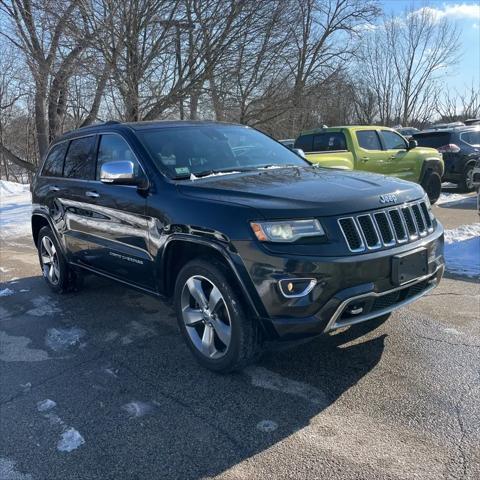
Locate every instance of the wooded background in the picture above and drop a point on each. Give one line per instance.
(278, 65)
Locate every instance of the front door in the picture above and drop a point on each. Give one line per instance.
(400, 162)
(370, 155)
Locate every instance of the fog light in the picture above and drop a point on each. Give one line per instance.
(296, 287)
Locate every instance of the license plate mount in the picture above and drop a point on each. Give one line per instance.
(409, 265)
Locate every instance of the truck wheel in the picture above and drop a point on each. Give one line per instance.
(55, 269)
(432, 184)
(212, 319)
(466, 184)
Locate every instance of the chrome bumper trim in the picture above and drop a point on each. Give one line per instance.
(333, 324)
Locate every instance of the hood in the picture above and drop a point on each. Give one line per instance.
(300, 192)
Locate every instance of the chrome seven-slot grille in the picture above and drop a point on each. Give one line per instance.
(386, 227)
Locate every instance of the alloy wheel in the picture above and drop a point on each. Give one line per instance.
(469, 179)
(49, 259)
(206, 317)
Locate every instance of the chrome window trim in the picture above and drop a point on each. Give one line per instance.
(98, 134)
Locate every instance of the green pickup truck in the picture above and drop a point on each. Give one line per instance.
(374, 149)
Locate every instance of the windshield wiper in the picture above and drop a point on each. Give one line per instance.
(279, 165)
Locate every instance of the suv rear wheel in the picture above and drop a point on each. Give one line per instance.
(466, 185)
(55, 268)
(212, 319)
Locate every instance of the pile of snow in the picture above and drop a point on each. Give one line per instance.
(447, 198)
(462, 250)
(15, 209)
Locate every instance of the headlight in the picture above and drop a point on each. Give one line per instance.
(287, 230)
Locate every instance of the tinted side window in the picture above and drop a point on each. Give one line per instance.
(323, 142)
(53, 166)
(392, 141)
(472, 138)
(368, 139)
(79, 162)
(114, 148)
(434, 139)
(305, 142)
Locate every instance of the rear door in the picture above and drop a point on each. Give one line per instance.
(49, 186)
(113, 227)
(400, 162)
(370, 155)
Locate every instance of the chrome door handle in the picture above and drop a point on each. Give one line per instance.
(53, 188)
(92, 194)
(365, 159)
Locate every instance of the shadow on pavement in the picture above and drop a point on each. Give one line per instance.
(132, 390)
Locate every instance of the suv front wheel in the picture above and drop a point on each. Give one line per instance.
(212, 318)
(432, 184)
(54, 266)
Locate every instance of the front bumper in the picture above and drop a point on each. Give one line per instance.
(342, 282)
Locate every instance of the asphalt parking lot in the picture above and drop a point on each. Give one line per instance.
(98, 384)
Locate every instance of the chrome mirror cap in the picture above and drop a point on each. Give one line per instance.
(299, 152)
(121, 172)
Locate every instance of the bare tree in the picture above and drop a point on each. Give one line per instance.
(421, 47)
(322, 33)
(52, 36)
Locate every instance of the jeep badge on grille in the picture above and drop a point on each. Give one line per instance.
(388, 198)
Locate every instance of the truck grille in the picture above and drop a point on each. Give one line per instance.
(387, 227)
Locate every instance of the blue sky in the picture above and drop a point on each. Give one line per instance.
(467, 16)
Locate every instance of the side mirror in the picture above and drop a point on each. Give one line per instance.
(299, 152)
(120, 173)
(412, 144)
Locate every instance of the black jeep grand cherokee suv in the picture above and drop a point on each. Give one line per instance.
(251, 241)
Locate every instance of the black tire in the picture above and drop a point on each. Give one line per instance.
(63, 278)
(244, 335)
(432, 184)
(466, 184)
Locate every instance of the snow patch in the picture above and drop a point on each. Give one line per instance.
(59, 339)
(263, 378)
(15, 209)
(9, 472)
(6, 292)
(267, 426)
(446, 199)
(462, 250)
(43, 306)
(452, 331)
(16, 349)
(137, 409)
(219, 174)
(45, 405)
(137, 330)
(70, 440)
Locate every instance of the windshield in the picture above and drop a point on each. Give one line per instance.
(180, 152)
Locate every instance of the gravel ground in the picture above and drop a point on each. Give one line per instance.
(98, 384)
